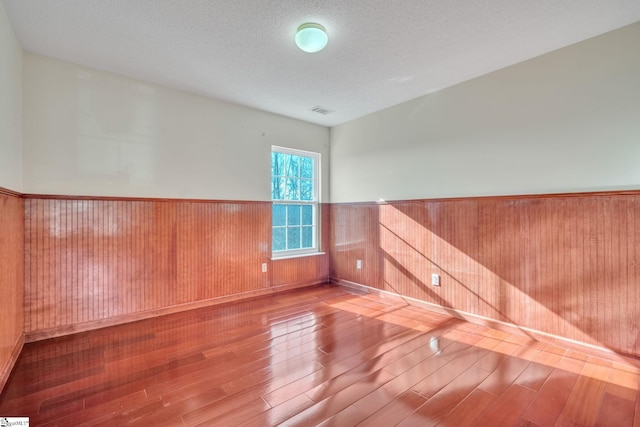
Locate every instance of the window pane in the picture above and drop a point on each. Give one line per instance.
(277, 164)
(307, 237)
(306, 189)
(277, 188)
(294, 209)
(279, 215)
(293, 189)
(279, 239)
(306, 167)
(293, 165)
(307, 215)
(293, 238)
(293, 215)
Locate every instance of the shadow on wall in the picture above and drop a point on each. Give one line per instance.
(564, 265)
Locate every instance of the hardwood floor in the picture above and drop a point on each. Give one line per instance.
(317, 356)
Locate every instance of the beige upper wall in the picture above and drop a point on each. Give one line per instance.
(568, 121)
(90, 132)
(10, 106)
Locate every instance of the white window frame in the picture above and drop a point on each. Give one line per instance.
(315, 203)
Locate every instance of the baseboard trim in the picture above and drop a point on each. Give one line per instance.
(302, 283)
(134, 317)
(13, 358)
(511, 328)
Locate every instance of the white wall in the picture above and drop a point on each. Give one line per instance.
(568, 121)
(89, 132)
(10, 106)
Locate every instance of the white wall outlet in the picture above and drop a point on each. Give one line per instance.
(435, 279)
(264, 267)
(359, 264)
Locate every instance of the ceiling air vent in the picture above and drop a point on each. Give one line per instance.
(321, 110)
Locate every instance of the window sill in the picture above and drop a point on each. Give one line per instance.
(289, 256)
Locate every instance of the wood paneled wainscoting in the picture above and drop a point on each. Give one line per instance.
(93, 262)
(566, 265)
(11, 280)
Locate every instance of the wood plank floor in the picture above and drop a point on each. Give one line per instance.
(318, 356)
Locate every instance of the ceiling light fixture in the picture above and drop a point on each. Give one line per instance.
(311, 37)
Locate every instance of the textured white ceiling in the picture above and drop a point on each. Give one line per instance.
(380, 52)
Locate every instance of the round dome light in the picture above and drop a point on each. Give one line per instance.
(311, 37)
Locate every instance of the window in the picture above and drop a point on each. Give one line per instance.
(294, 193)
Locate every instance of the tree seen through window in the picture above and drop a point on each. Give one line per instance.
(294, 196)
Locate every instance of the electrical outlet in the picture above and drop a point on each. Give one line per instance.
(435, 279)
(359, 264)
(264, 267)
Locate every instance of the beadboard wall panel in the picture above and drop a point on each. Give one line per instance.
(94, 262)
(561, 264)
(355, 235)
(11, 280)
